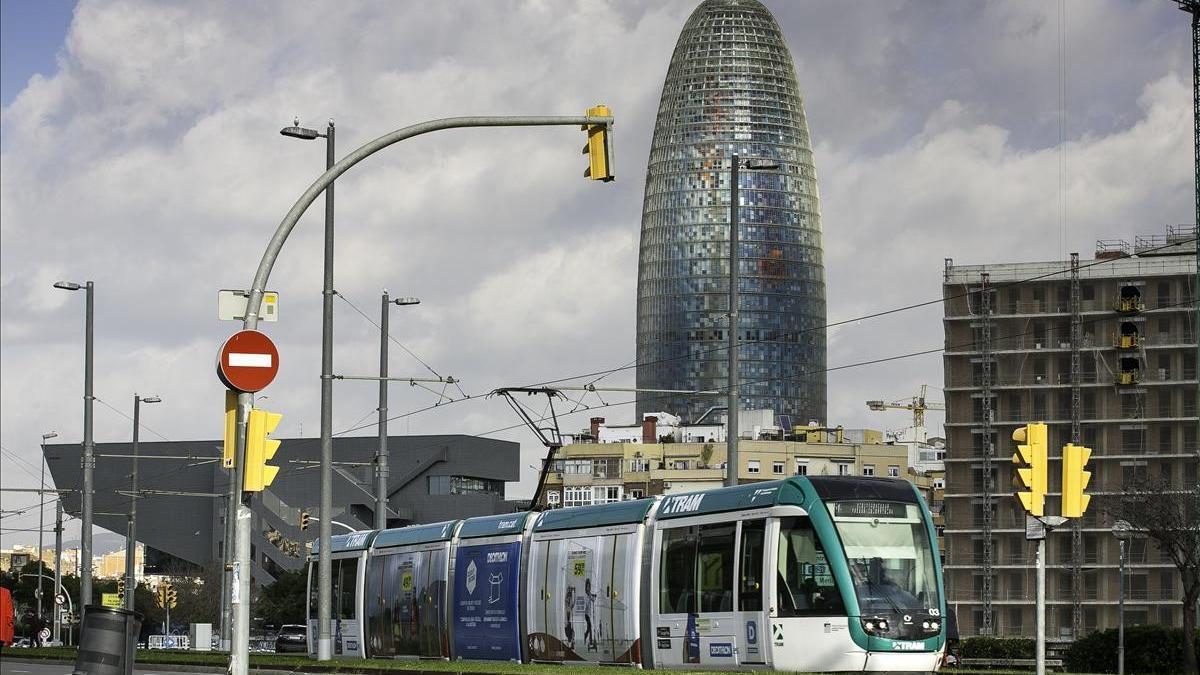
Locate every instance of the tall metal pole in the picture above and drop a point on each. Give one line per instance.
(1121, 610)
(131, 526)
(41, 531)
(1041, 606)
(89, 462)
(228, 556)
(731, 425)
(325, 562)
(240, 572)
(57, 569)
(381, 459)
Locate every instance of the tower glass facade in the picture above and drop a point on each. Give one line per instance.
(731, 89)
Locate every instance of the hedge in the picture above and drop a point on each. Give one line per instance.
(1148, 649)
(997, 648)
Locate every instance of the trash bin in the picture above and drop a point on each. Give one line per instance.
(107, 641)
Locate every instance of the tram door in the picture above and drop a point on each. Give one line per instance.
(582, 601)
(752, 575)
(696, 620)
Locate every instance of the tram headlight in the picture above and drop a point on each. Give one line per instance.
(925, 625)
(934, 626)
(870, 626)
(875, 625)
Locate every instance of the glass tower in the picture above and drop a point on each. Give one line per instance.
(731, 89)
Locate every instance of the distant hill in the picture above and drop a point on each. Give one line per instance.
(102, 542)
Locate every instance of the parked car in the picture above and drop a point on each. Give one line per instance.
(292, 638)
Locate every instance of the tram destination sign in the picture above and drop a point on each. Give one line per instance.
(864, 509)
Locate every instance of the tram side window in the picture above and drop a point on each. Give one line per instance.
(806, 583)
(716, 568)
(345, 574)
(677, 573)
(750, 588)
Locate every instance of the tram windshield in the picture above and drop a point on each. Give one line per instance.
(889, 554)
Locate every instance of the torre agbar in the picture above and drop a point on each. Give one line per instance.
(731, 89)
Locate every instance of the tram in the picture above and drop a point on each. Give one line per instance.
(804, 574)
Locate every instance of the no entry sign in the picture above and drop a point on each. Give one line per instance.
(248, 361)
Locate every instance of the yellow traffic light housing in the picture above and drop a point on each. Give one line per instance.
(599, 146)
(305, 520)
(121, 588)
(229, 450)
(172, 597)
(260, 449)
(160, 597)
(1075, 480)
(1031, 460)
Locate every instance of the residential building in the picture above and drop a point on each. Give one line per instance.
(731, 89)
(1104, 352)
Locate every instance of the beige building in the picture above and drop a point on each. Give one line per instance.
(1104, 352)
(19, 556)
(112, 565)
(598, 473)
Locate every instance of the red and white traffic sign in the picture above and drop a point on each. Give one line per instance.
(248, 361)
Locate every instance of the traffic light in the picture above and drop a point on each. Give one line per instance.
(172, 598)
(259, 449)
(305, 519)
(121, 588)
(1031, 461)
(229, 450)
(160, 596)
(1074, 480)
(599, 146)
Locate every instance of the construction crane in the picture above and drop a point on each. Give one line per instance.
(917, 404)
(1193, 7)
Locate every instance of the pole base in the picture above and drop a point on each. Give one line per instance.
(324, 649)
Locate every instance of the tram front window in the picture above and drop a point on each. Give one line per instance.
(890, 557)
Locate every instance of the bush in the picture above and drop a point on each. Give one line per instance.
(1148, 649)
(997, 648)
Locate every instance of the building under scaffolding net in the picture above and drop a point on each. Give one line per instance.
(1104, 352)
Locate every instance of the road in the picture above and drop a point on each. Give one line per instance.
(10, 668)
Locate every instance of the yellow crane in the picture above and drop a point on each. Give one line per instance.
(917, 404)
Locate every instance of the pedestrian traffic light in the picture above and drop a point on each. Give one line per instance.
(599, 146)
(121, 588)
(229, 450)
(305, 519)
(1031, 461)
(259, 449)
(1074, 480)
(172, 598)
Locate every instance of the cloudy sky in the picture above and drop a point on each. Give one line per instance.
(140, 149)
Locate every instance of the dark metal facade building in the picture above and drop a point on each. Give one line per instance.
(731, 89)
(432, 478)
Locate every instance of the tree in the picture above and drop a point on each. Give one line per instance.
(283, 601)
(1170, 517)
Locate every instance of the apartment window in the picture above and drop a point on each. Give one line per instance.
(578, 466)
(637, 493)
(893, 471)
(752, 466)
(577, 496)
(777, 468)
(606, 494)
(553, 498)
(639, 465)
(939, 483)
(868, 469)
(680, 464)
(609, 467)
(801, 467)
(843, 468)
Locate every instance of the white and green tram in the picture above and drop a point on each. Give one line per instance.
(803, 574)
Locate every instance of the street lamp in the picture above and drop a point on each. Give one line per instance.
(42, 520)
(131, 527)
(731, 424)
(324, 561)
(89, 448)
(1122, 530)
(381, 458)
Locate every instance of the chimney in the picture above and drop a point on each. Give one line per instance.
(650, 429)
(596, 422)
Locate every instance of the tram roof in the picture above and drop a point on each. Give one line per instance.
(492, 526)
(754, 495)
(351, 541)
(415, 534)
(578, 517)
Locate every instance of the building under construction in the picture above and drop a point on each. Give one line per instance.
(1104, 351)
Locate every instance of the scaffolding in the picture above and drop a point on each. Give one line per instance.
(1076, 416)
(985, 292)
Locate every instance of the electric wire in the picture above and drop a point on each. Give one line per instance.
(390, 337)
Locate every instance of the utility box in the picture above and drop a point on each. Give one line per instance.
(201, 637)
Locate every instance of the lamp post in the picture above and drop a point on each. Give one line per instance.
(42, 520)
(1122, 530)
(89, 448)
(324, 561)
(381, 458)
(731, 424)
(131, 526)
